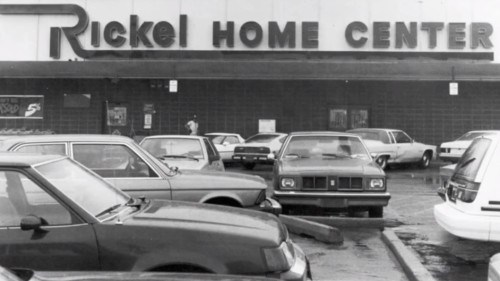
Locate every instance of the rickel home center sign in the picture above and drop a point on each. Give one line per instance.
(118, 38)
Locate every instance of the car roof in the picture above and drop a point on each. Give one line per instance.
(484, 131)
(222, 134)
(329, 133)
(64, 137)
(374, 129)
(9, 159)
(175, 137)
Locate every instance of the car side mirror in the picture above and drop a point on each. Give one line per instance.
(30, 222)
(271, 156)
(225, 143)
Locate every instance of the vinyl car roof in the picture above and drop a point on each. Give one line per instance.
(13, 159)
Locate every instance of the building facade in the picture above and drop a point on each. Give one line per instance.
(426, 67)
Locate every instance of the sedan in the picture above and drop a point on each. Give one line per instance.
(56, 215)
(256, 149)
(395, 146)
(328, 170)
(127, 166)
(225, 144)
(184, 152)
(452, 151)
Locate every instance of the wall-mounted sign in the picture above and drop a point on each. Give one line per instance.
(148, 121)
(267, 125)
(21, 107)
(173, 86)
(453, 88)
(117, 116)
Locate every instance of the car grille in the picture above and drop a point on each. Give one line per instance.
(350, 183)
(316, 183)
(250, 149)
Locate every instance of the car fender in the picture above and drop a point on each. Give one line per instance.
(165, 257)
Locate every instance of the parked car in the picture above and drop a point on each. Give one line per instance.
(184, 152)
(452, 151)
(472, 207)
(256, 149)
(225, 144)
(445, 174)
(329, 170)
(127, 166)
(395, 146)
(494, 268)
(56, 215)
(18, 274)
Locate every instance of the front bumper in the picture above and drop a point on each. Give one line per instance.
(300, 270)
(332, 200)
(462, 224)
(269, 206)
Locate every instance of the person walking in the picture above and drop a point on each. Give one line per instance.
(192, 126)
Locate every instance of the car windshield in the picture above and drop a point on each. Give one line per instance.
(161, 147)
(373, 135)
(82, 186)
(472, 135)
(325, 146)
(216, 139)
(469, 163)
(261, 138)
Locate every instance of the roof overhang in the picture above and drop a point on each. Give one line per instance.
(388, 70)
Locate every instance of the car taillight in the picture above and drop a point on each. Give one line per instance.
(466, 193)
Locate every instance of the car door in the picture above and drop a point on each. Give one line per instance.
(124, 167)
(405, 149)
(64, 242)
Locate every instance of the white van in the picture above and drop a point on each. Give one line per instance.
(472, 206)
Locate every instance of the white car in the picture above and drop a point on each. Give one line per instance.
(472, 206)
(225, 144)
(184, 152)
(389, 146)
(257, 148)
(494, 268)
(452, 151)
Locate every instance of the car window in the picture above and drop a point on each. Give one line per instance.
(112, 161)
(473, 135)
(321, 146)
(59, 148)
(20, 196)
(216, 139)
(231, 140)
(173, 147)
(373, 135)
(401, 137)
(263, 138)
(469, 163)
(210, 149)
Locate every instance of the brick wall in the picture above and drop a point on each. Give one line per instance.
(425, 110)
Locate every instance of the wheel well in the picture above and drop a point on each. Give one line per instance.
(181, 268)
(430, 152)
(225, 201)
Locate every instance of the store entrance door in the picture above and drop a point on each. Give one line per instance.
(342, 118)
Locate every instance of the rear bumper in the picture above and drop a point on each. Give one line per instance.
(251, 157)
(269, 206)
(332, 200)
(461, 224)
(448, 157)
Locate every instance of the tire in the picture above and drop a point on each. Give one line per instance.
(376, 212)
(425, 161)
(382, 162)
(249, 165)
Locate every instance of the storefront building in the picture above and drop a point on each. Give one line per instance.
(136, 67)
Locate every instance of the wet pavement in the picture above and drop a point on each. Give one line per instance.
(410, 215)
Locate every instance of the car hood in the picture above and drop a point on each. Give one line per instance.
(330, 164)
(216, 180)
(208, 218)
(140, 276)
(456, 144)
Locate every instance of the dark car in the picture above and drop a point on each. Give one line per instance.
(329, 170)
(256, 149)
(57, 215)
(126, 165)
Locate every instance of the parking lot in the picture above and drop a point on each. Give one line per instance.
(410, 215)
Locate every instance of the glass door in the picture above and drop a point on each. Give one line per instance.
(345, 118)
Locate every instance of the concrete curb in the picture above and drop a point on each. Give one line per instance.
(347, 222)
(320, 232)
(412, 267)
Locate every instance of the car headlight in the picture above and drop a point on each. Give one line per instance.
(281, 258)
(377, 184)
(288, 183)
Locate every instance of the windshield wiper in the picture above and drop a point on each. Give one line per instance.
(336, 155)
(109, 210)
(178, 156)
(467, 162)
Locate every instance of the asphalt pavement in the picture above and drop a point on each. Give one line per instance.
(410, 215)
